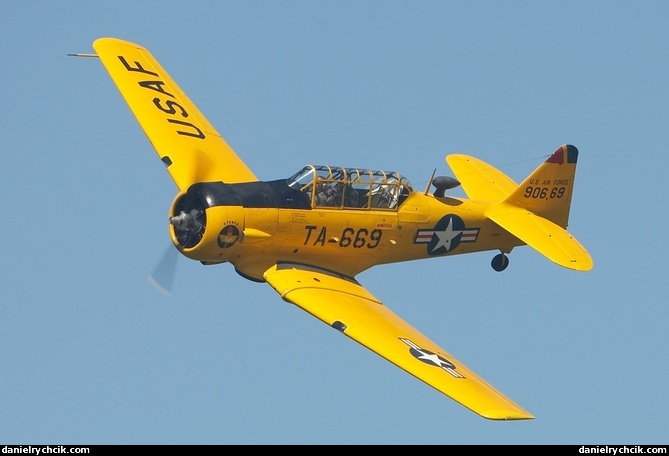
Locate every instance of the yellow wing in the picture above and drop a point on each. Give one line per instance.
(480, 180)
(185, 141)
(345, 305)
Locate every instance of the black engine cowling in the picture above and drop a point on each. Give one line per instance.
(188, 215)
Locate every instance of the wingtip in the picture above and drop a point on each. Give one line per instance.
(507, 415)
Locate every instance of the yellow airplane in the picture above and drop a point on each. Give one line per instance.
(310, 234)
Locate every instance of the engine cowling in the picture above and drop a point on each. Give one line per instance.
(202, 227)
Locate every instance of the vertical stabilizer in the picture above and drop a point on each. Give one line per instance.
(547, 191)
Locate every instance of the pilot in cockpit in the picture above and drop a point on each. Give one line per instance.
(328, 193)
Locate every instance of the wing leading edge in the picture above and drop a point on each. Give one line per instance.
(185, 141)
(347, 306)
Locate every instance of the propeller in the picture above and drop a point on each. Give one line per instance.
(162, 276)
(188, 225)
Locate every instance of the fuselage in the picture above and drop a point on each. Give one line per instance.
(256, 225)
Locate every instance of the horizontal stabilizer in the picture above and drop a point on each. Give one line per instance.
(480, 180)
(546, 237)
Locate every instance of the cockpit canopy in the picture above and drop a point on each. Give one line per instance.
(351, 188)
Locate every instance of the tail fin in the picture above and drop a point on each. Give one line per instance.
(538, 210)
(547, 191)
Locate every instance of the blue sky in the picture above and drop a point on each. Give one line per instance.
(90, 353)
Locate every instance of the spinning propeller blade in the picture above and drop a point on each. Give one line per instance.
(162, 276)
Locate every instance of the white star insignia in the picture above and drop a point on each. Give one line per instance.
(446, 236)
(431, 357)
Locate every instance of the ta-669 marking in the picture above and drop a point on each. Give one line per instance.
(350, 237)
